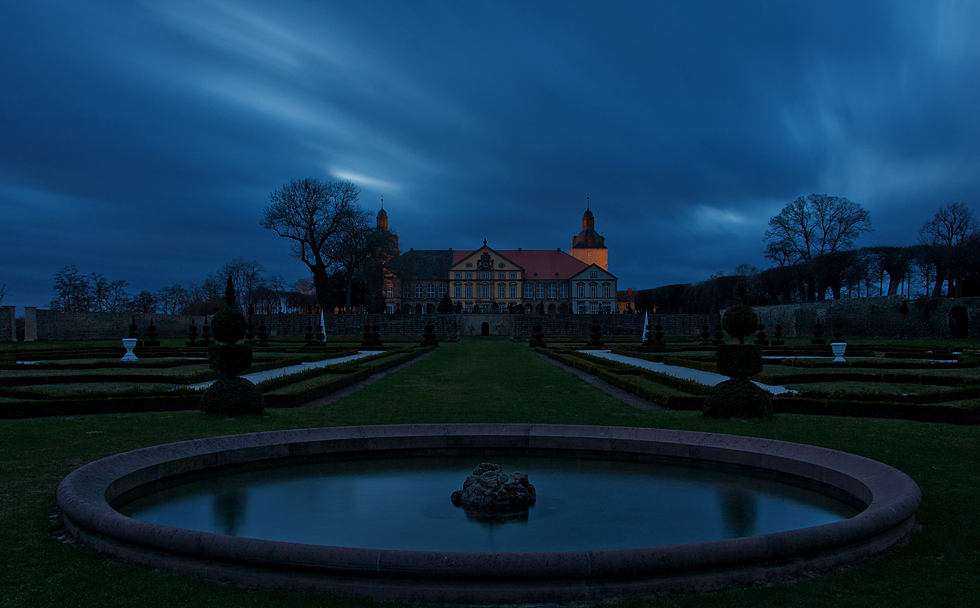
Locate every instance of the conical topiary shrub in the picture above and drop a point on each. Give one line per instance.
(230, 395)
(738, 397)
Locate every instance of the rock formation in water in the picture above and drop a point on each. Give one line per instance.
(490, 492)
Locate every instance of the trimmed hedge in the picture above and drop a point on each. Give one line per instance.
(910, 407)
(883, 409)
(316, 385)
(26, 403)
(78, 406)
(622, 380)
(308, 390)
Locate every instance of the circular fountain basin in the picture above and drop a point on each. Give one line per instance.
(886, 499)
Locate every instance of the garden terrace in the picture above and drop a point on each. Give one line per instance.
(90, 383)
(481, 381)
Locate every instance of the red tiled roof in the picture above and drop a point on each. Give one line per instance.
(545, 262)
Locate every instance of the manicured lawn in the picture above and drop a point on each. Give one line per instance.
(481, 380)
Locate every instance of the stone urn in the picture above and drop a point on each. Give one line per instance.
(838, 349)
(130, 344)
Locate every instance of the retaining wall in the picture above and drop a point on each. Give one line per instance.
(8, 326)
(52, 325)
(883, 317)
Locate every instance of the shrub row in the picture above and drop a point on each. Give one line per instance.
(31, 404)
(308, 386)
(685, 386)
(816, 363)
(909, 408)
(925, 379)
(77, 406)
(298, 393)
(622, 380)
(882, 409)
(191, 377)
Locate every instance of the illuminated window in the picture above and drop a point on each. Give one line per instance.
(391, 291)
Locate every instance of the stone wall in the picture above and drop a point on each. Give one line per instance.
(53, 325)
(883, 317)
(8, 327)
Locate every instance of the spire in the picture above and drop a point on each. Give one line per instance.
(382, 217)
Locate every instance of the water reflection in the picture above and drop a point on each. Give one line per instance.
(229, 511)
(739, 510)
(401, 504)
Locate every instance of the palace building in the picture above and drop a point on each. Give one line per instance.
(486, 280)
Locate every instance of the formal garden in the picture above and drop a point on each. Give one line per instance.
(913, 405)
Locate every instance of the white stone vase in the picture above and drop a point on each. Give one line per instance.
(838, 349)
(130, 344)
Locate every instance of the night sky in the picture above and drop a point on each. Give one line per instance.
(141, 139)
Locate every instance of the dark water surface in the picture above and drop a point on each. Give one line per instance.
(404, 504)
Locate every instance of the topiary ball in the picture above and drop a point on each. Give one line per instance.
(228, 325)
(740, 321)
(231, 359)
(232, 396)
(737, 399)
(739, 361)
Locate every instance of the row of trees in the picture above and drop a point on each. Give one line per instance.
(77, 292)
(811, 241)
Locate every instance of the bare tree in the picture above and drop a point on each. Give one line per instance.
(814, 225)
(947, 236)
(896, 262)
(144, 302)
(71, 290)
(352, 247)
(310, 213)
(172, 300)
(106, 295)
(246, 276)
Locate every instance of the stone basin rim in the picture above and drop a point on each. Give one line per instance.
(892, 498)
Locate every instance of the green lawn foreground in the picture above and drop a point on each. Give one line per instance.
(481, 380)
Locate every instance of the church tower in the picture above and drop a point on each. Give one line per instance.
(589, 246)
(391, 238)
